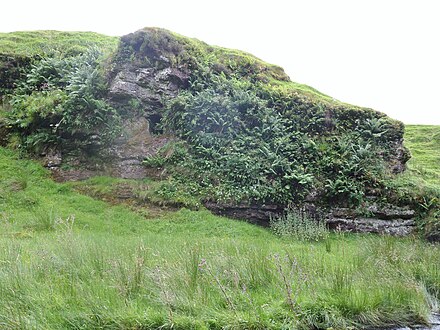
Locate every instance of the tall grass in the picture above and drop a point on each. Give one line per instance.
(80, 279)
(68, 261)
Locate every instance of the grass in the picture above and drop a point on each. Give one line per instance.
(30, 43)
(149, 197)
(420, 183)
(424, 143)
(69, 261)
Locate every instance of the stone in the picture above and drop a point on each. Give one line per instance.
(433, 324)
(147, 85)
(389, 212)
(398, 227)
(382, 219)
(253, 213)
(123, 158)
(4, 134)
(52, 158)
(397, 161)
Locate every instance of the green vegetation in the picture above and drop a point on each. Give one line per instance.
(297, 224)
(424, 143)
(50, 43)
(69, 261)
(247, 133)
(419, 186)
(20, 50)
(250, 134)
(149, 197)
(60, 101)
(253, 136)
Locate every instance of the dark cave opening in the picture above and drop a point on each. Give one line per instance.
(155, 127)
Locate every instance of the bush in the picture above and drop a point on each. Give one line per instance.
(64, 98)
(247, 149)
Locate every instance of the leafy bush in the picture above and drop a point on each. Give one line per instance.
(62, 98)
(172, 153)
(241, 147)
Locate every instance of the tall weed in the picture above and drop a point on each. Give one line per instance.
(298, 224)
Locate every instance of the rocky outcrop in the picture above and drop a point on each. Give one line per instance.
(147, 85)
(123, 158)
(379, 219)
(397, 160)
(153, 65)
(146, 70)
(397, 227)
(129, 150)
(384, 219)
(254, 213)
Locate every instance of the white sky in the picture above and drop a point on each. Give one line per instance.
(382, 54)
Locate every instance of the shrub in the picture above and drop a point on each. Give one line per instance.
(63, 97)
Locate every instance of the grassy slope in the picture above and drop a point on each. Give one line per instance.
(30, 43)
(422, 179)
(112, 268)
(424, 143)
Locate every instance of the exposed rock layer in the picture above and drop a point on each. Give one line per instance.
(386, 219)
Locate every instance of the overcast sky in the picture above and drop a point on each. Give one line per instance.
(382, 54)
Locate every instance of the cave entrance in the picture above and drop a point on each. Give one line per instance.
(154, 123)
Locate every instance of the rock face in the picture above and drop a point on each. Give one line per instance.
(397, 161)
(434, 324)
(146, 84)
(145, 70)
(396, 227)
(386, 219)
(122, 159)
(149, 68)
(131, 148)
(257, 214)
(3, 134)
(153, 65)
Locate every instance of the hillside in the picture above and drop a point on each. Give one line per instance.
(424, 142)
(147, 131)
(70, 262)
(218, 126)
(423, 176)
